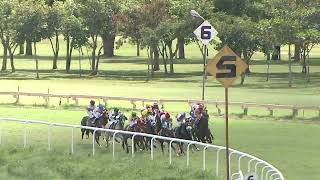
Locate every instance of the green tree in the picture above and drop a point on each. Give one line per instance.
(98, 18)
(31, 24)
(74, 31)
(56, 13)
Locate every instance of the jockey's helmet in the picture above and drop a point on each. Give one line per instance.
(144, 112)
(155, 106)
(201, 107)
(148, 106)
(134, 114)
(101, 107)
(92, 102)
(167, 115)
(183, 114)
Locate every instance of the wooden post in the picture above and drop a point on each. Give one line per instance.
(47, 99)
(18, 96)
(218, 108)
(227, 133)
(295, 112)
(134, 106)
(270, 111)
(76, 100)
(245, 110)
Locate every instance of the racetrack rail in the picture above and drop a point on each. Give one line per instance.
(268, 171)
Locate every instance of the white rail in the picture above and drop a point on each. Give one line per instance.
(268, 171)
(244, 105)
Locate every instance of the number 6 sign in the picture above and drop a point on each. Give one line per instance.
(205, 32)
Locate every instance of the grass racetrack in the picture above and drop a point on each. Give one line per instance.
(291, 147)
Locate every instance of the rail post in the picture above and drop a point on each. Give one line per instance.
(170, 150)
(262, 171)
(152, 148)
(204, 158)
(188, 153)
(25, 135)
(273, 175)
(239, 162)
(72, 140)
(217, 162)
(249, 165)
(113, 144)
(132, 146)
(93, 143)
(256, 167)
(49, 137)
(268, 173)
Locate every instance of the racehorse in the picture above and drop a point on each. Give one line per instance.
(118, 125)
(138, 140)
(148, 129)
(99, 123)
(202, 131)
(185, 131)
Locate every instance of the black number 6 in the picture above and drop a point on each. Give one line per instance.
(221, 65)
(205, 34)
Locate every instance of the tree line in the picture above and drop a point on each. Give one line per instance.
(163, 27)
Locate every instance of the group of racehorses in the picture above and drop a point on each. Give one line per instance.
(187, 131)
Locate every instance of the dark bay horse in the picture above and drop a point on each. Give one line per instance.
(138, 140)
(99, 123)
(184, 132)
(201, 131)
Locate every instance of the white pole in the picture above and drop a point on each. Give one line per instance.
(170, 150)
(217, 163)
(188, 153)
(93, 143)
(49, 137)
(72, 140)
(204, 158)
(113, 144)
(25, 135)
(132, 146)
(152, 148)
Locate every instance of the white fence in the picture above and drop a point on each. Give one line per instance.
(262, 169)
(244, 105)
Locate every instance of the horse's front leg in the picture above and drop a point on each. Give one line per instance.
(97, 139)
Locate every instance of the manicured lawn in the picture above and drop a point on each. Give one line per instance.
(291, 147)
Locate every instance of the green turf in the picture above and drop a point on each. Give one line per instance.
(288, 146)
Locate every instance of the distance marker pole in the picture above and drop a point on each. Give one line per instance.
(204, 69)
(227, 133)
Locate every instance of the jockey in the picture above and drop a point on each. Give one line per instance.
(166, 121)
(180, 118)
(98, 112)
(141, 121)
(90, 109)
(198, 113)
(114, 117)
(133, 120)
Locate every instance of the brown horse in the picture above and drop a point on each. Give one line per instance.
(138, 140)
(201, 131)
(99, 123)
